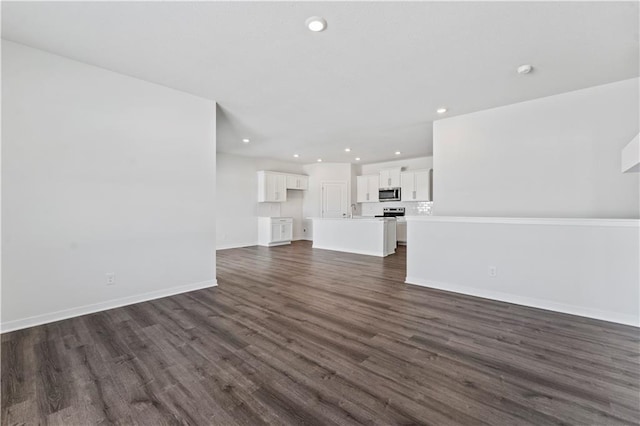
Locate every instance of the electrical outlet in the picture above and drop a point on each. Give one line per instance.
(493, 271)
(111, 278)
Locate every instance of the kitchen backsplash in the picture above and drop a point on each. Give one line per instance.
(412, 208)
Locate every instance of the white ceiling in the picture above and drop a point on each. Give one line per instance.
(372, 81)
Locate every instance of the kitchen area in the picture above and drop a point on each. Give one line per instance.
(363, 210)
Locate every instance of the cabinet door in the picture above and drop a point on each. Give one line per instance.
(422, 186)
(407, 186)
(373, 187)
(286, 232)
(292, 182)
(276, 232)
(362, 189)
(270, 192)
(394, 178)
(385, 179)
(303, 182)
(280, 182)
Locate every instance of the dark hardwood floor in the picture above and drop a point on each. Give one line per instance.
(294, 335)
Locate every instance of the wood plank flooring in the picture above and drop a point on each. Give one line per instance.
(294, 335)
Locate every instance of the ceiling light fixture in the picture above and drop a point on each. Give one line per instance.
(347, 150)
(357, 158)
(316, 24)
(398, 153)
(245, 140)
(296, 155)
(441, 110)
(319, 160)
(525, 69)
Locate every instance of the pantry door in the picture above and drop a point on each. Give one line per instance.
(334, 199)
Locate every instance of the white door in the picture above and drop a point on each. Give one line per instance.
(334, 199)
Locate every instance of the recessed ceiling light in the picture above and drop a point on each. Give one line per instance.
(398, 153)
(441, 110)
(347, 150)
(296, 155)
(245, 140)
(357, 158)
(319, 160)
(316, 24)
(525, 69)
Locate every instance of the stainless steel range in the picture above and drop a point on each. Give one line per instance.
(392, 212)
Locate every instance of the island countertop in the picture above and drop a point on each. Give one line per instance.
(355, 219)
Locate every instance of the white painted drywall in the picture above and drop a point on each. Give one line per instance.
(582, 267)
(630, 157)
(100, 173)
(418, 163)
(237, 198)
(557, 156)
(324, 172)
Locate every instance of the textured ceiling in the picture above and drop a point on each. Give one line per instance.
(372, 81)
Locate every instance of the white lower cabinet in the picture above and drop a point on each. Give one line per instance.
(275, 231)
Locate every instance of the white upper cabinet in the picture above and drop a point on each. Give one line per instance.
(297, 182)
(407, 186)
(272, 187)
(367, 188)
(390, 178)
(416, 186)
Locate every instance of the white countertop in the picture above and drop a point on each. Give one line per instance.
(355, 219)
(633, 223)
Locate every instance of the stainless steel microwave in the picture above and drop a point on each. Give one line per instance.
(389, 194)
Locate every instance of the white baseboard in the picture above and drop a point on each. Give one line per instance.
(102, 306)
(530, 302)
(236, 245)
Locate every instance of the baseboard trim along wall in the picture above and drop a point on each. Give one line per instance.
(584, 267)
(238, 245)
(355, 251)
(102, 306)
(251, 244)
(528, 301)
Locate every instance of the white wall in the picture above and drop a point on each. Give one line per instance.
(100, 173)
(551, 157)
(630, 156)
(412, 208)
(237, 196)
(324, 172)
(587, 267)
(419, 163)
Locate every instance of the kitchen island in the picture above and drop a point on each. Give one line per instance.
(373, 236)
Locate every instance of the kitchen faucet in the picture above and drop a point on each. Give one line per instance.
(353, 209)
